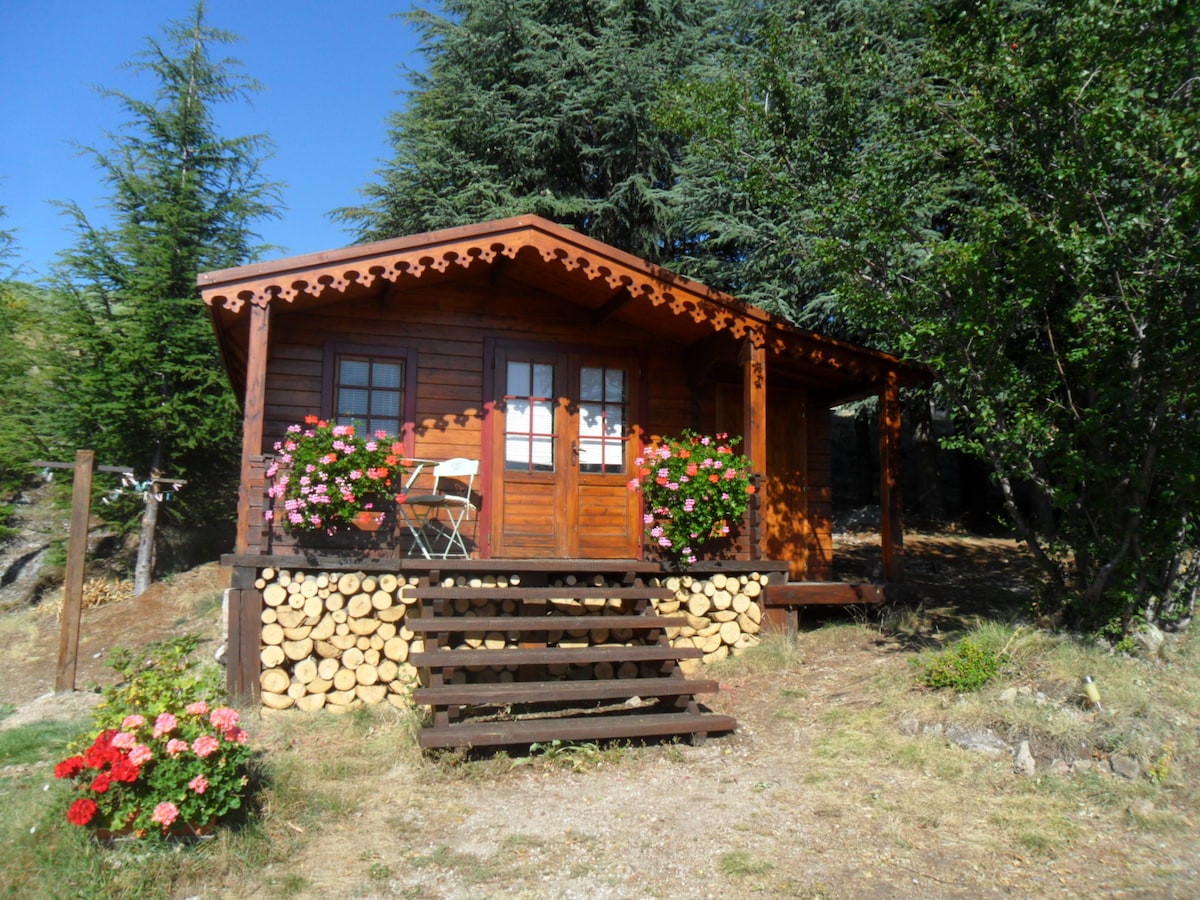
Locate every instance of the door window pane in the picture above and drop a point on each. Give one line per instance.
(603, 415)
(529, 417)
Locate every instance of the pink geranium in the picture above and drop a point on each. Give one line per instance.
(139, 754)
(175, 746)
(205, 745)
(133, 721)
(693, 489)
(165, 724)
(164, 814)
(123, 740)
(236, 736)
(199, 784)
(223, 718)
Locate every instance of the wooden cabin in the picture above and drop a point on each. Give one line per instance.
(463, 326)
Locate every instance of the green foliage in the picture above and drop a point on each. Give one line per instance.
(533, 106)
(775, 118)
(1007, 191)
(140, 379)
(965, 667)
(578, 756)
(161, 676)
(25, 335)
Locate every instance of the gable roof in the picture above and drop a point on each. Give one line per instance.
(595, 276)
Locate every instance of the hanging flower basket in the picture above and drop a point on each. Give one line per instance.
(695, 490)
(326, 475)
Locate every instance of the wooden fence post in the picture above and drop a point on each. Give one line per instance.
(81, 509)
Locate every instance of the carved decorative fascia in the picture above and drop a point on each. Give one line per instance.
(413, 258)
(681, 297)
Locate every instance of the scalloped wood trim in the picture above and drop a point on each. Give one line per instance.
(415, 262)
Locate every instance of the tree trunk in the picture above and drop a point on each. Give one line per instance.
(143, 572)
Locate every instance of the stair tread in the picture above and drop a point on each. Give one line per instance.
(570, 728)
(574, 592)
(547, 655)
(566, 690)
(540, 623)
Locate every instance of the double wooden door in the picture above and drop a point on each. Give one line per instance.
(563, 448)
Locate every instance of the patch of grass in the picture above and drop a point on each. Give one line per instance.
(740, 864)
(519, 842)
(776, 652)
(576, 756)
(471, 868)
(44, 741)
(208, 606)
(292, 884)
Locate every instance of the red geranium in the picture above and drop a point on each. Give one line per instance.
(81, 811)
(69, 767)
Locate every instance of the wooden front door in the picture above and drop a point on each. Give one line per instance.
(562, 453)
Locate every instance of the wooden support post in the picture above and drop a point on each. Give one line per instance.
(81, 509)
(754, 393)
(244, 621)
(252, 420)
(891, 527)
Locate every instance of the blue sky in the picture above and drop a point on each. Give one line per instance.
(331, 72)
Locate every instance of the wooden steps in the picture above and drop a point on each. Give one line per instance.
(535, 706)
(561, 691)
(545, 656)
(547, 623)
(598, 727)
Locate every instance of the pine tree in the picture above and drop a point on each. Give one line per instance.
(539, 106)
(143, 383)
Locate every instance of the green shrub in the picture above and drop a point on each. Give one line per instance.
(966, 666)
(164, 675)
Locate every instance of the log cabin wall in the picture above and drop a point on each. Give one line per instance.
(443, 334)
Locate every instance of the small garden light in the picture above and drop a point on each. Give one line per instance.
(1091, 691)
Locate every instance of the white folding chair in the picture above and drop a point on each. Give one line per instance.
(455, 499)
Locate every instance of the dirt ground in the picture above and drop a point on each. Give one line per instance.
(795, 803)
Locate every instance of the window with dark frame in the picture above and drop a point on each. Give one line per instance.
(369, 393)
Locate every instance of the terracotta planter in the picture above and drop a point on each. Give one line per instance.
(179, 831)
(369, 520)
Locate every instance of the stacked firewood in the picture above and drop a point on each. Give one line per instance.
(723, 611)
(335, 639)
(100, 592)
(340, 640)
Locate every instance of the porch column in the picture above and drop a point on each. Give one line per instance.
(891, 528)
(244, 604)
(253, 413)
(754, 396)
